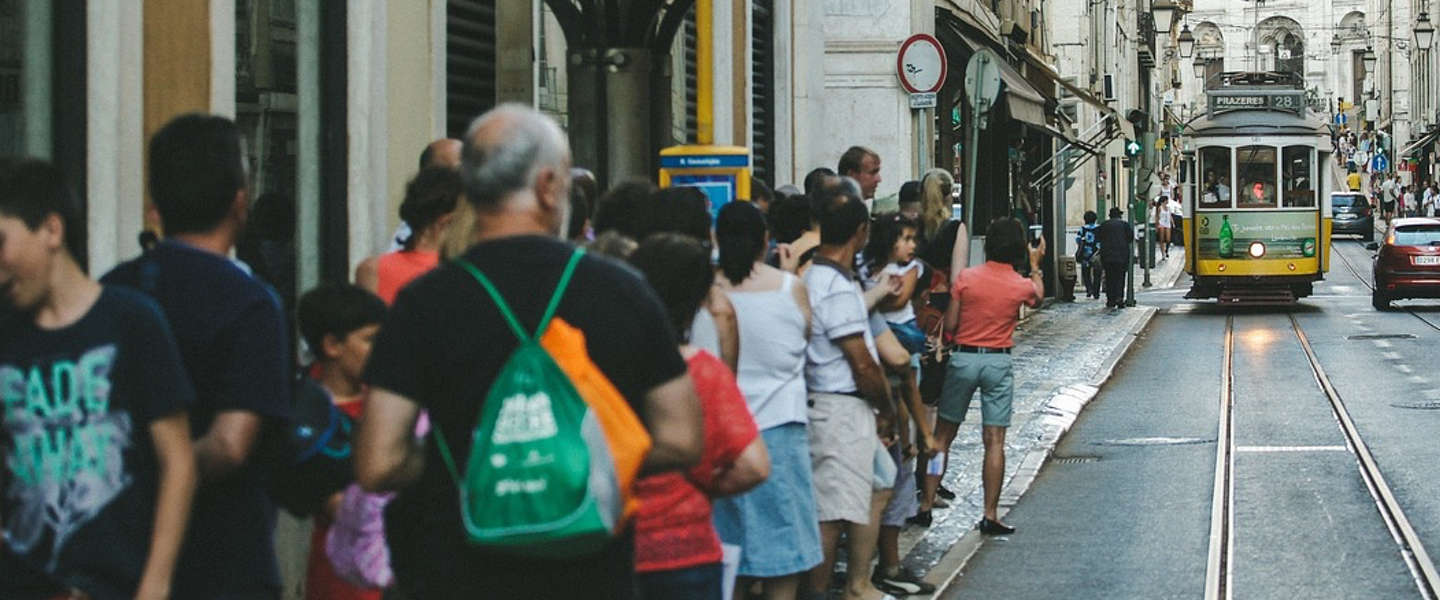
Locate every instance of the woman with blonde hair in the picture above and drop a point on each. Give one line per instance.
(935, 202)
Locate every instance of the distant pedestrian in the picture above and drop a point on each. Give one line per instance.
(98, 468)
(1353, 180)
(1177, 220)
(985, 309)
(1116, 236)
(1161, 212)
(235, 341)
(445, 340)
(1087, 255)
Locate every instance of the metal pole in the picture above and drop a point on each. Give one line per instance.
(971, 154)
(1130, 256)
(1149, 244)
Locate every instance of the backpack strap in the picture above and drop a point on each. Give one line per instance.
(504, 308)
(515, 326)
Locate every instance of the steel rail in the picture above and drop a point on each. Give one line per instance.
(1222, 509)
(1421, 567)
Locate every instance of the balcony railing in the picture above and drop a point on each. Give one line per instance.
(1146, 28)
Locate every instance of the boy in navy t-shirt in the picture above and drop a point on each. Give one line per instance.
(233, 338)
(98, 467)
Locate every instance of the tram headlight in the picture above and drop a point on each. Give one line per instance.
(1257, 249)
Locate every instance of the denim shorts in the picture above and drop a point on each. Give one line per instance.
(909, 335)
(990, 374)
(775, 524)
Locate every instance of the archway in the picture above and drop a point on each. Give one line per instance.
(1282, 44)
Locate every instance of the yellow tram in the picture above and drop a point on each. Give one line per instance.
(1257, 193)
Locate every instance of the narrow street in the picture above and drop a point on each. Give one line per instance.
(1124, 507)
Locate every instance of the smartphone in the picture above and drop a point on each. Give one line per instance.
(957, 211)
(1035, 232)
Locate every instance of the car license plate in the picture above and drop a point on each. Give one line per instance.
(1427, 260)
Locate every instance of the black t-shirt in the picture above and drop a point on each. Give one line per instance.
(80, 470)
(442, 345)
(233, 339)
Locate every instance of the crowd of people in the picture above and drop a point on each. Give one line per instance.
(543, 391)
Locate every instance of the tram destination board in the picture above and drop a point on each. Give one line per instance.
(1288, 102)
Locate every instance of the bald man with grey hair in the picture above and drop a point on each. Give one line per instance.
(444, 342)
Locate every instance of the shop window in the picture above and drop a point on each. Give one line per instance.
(1299, 177)
(25, 72)
(1257, 171)
(1215, 187)
(267, 112)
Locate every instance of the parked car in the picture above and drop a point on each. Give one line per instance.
(1407, 263)
(1353, 214)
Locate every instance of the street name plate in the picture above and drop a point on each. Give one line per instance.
(926, 100)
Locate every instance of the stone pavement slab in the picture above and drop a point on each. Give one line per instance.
(1064, 352)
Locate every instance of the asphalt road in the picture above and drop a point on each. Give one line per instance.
(1123, 510)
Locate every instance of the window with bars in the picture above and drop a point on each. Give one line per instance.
(469, 62)
(762, 90)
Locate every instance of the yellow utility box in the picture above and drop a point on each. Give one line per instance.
(722, 172)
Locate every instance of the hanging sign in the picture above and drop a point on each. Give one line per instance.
(921, 64)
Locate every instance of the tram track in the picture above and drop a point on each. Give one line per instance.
(1365, 280)
(1220, 560)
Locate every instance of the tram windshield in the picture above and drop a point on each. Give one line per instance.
(1257, 176)
(1299, 189)
(1215, 184)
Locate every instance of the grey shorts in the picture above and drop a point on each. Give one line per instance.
(990, 374)
(842, 456)
(903, 504)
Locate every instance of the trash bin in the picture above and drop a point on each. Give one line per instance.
(1068, 275)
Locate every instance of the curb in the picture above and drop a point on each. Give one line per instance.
(1061, 412)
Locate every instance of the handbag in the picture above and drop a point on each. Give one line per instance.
(930, 317)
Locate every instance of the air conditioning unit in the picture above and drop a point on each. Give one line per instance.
(1109, 87)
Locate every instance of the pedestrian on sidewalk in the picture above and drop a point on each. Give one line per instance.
(1087, 255)
(1115, 237)
(430, 201)
(1161, 212)
(235, 343)
(984, 310)
(677, 551)
(849, 398)
(446, 338)
(1353, 180)
(775, 523)
(863, 165)
(1177, 220)
(98, 468)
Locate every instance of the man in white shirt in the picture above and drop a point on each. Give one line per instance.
(1177, 220)
(848, 395)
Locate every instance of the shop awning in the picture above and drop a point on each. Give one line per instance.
(1418, 146)
(976, 15)
(1085, 96)
(1025, 102)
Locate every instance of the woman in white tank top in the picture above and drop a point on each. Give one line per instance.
(775, 524)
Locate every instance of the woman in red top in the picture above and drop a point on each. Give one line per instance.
(429, 206)
(677, 553)
(984, 310)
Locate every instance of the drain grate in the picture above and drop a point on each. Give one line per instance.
(1383, 336)
(1074, 460)
(1422, 405)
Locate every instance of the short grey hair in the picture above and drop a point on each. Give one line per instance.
(504, 151)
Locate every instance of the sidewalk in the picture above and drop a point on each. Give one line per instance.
(1063, 354)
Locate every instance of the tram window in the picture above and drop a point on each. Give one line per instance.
(1299, 189)
(1257, 176)
(1215, 187)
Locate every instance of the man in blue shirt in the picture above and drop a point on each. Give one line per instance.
(233, 340)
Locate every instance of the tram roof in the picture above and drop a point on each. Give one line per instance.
(1256, 122)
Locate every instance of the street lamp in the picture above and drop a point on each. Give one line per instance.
(1370, 59)
(1164, 11)
(1187, 42)
(1424, 31)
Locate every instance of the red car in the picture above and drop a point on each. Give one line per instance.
(1407, 264)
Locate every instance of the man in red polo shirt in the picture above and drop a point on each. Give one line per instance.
(983, 314)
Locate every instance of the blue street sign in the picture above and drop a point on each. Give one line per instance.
(1380, 163)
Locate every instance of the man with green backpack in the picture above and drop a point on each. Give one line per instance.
(551, 379)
